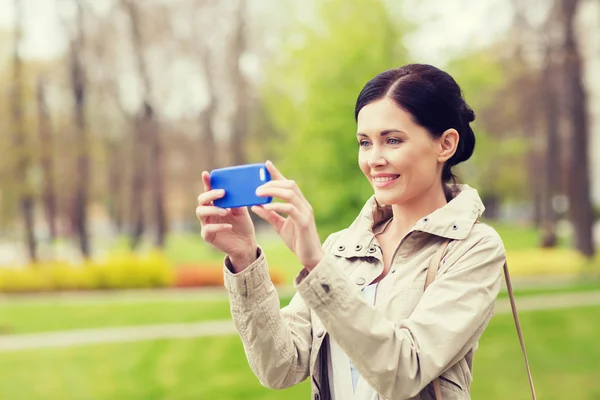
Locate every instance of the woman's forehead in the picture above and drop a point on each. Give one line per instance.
(383, 115)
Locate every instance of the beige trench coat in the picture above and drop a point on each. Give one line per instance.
(409, 337)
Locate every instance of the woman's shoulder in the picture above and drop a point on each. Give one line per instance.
(483, 232)
(332, 238)
(482, 241)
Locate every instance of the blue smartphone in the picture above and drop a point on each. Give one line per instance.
(240, 184)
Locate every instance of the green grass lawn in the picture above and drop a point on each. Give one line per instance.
(562, 347)
(26, 316)
(54, 316)
(519, 237)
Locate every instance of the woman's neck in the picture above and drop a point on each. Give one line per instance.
(408, 213)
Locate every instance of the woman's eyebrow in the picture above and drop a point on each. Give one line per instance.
(382, 133)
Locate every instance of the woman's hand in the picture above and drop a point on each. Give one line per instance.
(298, 230)
(229, 230)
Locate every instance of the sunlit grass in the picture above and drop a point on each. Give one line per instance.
(562, 350)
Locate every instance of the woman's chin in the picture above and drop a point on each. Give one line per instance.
(386, 199)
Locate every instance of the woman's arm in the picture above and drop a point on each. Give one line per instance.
(399, 360)
(277, 342)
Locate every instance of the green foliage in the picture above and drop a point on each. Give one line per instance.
(310, 98)
(497, 168)
(119, 271)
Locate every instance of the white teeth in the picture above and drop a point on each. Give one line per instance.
(384, 179)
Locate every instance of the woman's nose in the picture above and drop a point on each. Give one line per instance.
(376, 159)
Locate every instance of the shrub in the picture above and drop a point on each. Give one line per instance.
(208, 274)
(544, 262)
(119, 271)
(122, 270)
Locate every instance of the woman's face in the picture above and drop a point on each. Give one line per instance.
(399, 158)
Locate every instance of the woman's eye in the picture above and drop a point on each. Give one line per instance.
(394, 141)
(363, 143)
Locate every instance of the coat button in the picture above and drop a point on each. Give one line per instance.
(360, 281)
(455, 227)
(341, 248)
(320, 333)
(358, 247)
(372, 249)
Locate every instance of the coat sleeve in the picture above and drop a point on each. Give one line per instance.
(399, 360)
(277, 342)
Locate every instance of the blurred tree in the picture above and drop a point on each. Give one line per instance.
(202, 17)
(579, 181)
(550, 90)
(491, 87)
(149, 131)
(82, 185)
(240, 86)
(113, 123)
(208, 147)
(46, 158)
(310, 95)
(22, 149)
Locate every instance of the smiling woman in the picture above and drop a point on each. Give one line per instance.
(362, 325)
(415, 120)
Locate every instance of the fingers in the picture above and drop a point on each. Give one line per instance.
(270, 216)
(203, 212)
(302, 219)
(275, 174)
(206, 181)
(282, 184)
(208, 231)
(288, 195)
(238, 211)
(206, 198)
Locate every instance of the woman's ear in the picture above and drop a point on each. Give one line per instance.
(448, 144)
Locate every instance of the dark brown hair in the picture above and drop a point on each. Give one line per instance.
(434, 100)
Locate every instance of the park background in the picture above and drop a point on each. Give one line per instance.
(110, 110)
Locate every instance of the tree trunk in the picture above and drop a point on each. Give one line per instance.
(536, 189)
(115, 183)
(240, 122)
(150, 131)
(83, 165)
(579, 181)
(22, 151)
(208, 147)
(552, 158)
(138, 186)
(157, 177)
(47, 159)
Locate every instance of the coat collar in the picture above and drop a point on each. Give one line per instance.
(452, 221)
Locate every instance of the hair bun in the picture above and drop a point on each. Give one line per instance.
(469, 114)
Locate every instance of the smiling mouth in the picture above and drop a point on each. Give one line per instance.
(383, 181)
(385, 178)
